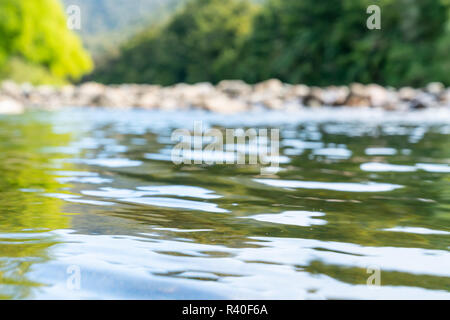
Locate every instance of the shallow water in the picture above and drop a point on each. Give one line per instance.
(92, 207)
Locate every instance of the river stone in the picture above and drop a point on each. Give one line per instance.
(170, 103)
(10, 88)
(407, 93)
(334, 96)
(234, 88)
(358, 89)
(10, 106)
(423, 100)
(223, 104)
(358, 96)
(148, 100)
(297, 91)
(227, 96)
(89, 90)
(113, 97)
(273, 103)
(435, 88)
(445, 97)
(272, 86)
(191, 94)
(381, 97)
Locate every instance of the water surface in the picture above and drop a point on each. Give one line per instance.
(94, 191)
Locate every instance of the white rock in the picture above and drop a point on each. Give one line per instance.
(234, 88)
(407, 93)
(435, 88)
(274, 86)
(148, 100)
(10, 106)
(11, 89)
(381, 97)
(298, 90)
(334, 95)
(223, 104)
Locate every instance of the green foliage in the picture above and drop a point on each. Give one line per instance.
(21, 71)
(197, 44)
(303, 41)
(36, 33)
(30, 214)
(296, 41)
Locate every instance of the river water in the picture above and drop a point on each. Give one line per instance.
(92, 207)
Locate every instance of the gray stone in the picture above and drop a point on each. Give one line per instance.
(223, 104)
(273, 86)
(234, 88)
(407, 93)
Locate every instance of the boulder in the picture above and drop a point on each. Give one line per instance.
(11, 89)
(223, 104)
(358, 89)
(272, 86)
(10, 106)
(170, 103)
(381, 97)
(298, 91)
(89, 93)
(312, 102)
(407, 93)
(423, 100)
(435, 88)
(358, 96)
(234, 88)
(148, 100)
(445, 97)
(334, 96)
(273, 103)
(190, 94)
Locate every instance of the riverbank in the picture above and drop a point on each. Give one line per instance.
(228, 96)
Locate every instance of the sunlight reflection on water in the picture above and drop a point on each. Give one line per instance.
(97, 189)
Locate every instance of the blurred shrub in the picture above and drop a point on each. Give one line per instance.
(197, 44)
(307, 41)
(36, 32)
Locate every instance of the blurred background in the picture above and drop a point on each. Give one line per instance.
(171, 41)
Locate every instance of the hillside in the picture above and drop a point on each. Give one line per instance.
(294, 41)
(107, 23)
(100, 16)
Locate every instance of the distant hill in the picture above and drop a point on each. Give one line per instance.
(99, 16)
(106, 23)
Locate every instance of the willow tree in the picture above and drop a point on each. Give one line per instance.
(36, 34)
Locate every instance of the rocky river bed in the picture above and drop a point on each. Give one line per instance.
(228, 96)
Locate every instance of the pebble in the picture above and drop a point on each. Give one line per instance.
(228, 96)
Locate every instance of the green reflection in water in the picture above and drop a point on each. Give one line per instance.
(358, 218)
(26, 217)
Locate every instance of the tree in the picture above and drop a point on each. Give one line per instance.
(36, 33)
(326, 43)
(322, 44)
(197, 44)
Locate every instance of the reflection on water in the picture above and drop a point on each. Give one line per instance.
(96, 189)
